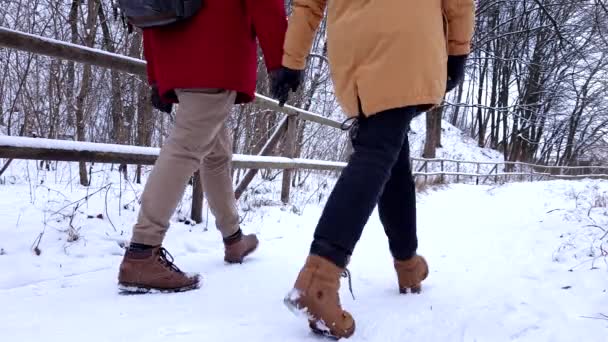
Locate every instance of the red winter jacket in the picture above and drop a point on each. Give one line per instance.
(217, 47)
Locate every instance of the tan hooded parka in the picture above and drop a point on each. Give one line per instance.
(386, 53)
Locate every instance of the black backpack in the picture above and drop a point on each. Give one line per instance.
(158, 13)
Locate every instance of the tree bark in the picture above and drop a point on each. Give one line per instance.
(117, 133)
(433, 132)
(290, 141)
(197, 198)
(91, 28)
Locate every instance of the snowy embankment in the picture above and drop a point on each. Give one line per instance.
(456, 145)
(520, 262)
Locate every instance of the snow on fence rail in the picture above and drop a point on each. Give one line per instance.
(72, 151)
(64, 150)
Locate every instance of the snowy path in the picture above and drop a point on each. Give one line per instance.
(496, 275)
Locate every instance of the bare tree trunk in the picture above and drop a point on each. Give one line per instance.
(197, 198)
(454, 118)
(91, 28)
(118, 134)
(290, 140)
(438, 118)
(71, 72)
(145, 121)
(494, 125)
(480, 120)
(433, 132)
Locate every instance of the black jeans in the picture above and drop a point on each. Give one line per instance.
(378, 173)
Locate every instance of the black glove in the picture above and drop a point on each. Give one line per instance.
(158, 103)
(456, 66)
(283, 80)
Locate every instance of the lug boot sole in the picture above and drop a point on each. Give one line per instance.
(325, 332)
(291, 302)
(133, 289)
(417, 288)
(316, 326)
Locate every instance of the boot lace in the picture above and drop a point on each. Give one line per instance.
(167, 260)
(346, 274)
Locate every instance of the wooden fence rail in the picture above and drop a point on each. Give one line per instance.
(73, 151)
(548, 167)
(483, 172)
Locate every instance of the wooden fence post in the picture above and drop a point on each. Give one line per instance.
(290, 144)
(196, 213)
(477, 181)
(426, 170)
(442, 173)
(5, 167)
(496, 177)
(457, 172)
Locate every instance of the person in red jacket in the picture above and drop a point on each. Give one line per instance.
(207, 64)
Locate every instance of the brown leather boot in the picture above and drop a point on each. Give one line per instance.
(315, 293)
(237, 247)
(153, 270)
(411, 273)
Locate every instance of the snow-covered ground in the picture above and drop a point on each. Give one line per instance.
(519, 262)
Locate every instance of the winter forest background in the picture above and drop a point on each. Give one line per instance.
(536, 88)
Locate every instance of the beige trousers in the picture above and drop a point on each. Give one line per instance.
(199, 139)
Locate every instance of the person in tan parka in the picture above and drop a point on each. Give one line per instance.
(390, 60)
